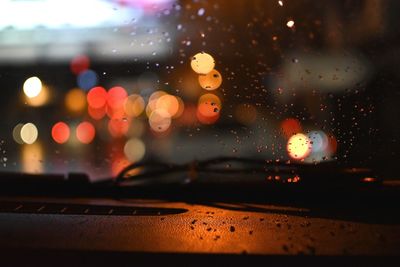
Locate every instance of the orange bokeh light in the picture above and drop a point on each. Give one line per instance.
(97, 97)
(60, 132)
(118, 127)
(75, 100)
(85, 132)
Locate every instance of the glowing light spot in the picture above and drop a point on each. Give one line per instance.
(202, 63)
(332, 144)
(159, 120)
(97, 97)
(169, 103)
(75, 100)
(298, 146)
(151, 106)
(116, 97)
(212, 99)
(134, 105)
(290, 126)
(17, 133)
(290, 23)
(85, 132)
(79, 64)
(280, 3)
(211, 80)
(246, 114)
(118, 127)
(87, 79)
(97, 113)
(32, 87)
(134, 149)
(318, 141)
(208, 108)
(29, 133)
(39, 100)
(60, 132)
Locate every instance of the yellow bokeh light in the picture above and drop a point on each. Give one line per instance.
(134, 149)
(134, 105)
(169, 103)
(29, 133)
(75, 100)
(202, 63)
(210, 81)
(298, 146)
(160, 120)
(32, 87)
(151, 105)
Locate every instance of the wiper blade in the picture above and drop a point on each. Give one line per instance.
(320, 173)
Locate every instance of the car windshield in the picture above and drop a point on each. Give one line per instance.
(92, 86)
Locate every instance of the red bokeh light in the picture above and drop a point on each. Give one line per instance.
(79, 64)
(60, 132)
(290, 127)
(97, 97)
(97, 113)
(85, 132)
(207, 113)
(116, 97)
(118, 128)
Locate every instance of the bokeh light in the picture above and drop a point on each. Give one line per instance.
(134, 105)
(79, 63)
(60, 132)
(208, 108)
(151, 105)
(290, 126)
(211, 80)
(134, 149)
(97, 113)
(298, 146)
(32, 87)
(202, 63)
(169, 103)
(29, 133)
(318, 141)
(116, 97)
(160, 120)
(118, 127)
(17, 133)
(87, 79)
(85, 132)
(97, 97)
(75, 100)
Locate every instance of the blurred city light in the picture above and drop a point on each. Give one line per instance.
(17, 133)
(211, 80)
(298, 146)
(160, 120)
(32, 87)
(75, 100)
(290, 126)
(85, 132)
(134, 149)
(79, 64)
(97, 97)
(60, 132)
(40, 99)
(202, 63)
(29, 133)
(134, 105)
(87, 79)
(169, 103)
(32, 158)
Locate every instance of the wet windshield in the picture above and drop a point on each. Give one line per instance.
(94, 85)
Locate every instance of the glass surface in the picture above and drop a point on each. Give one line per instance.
(90, 86)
